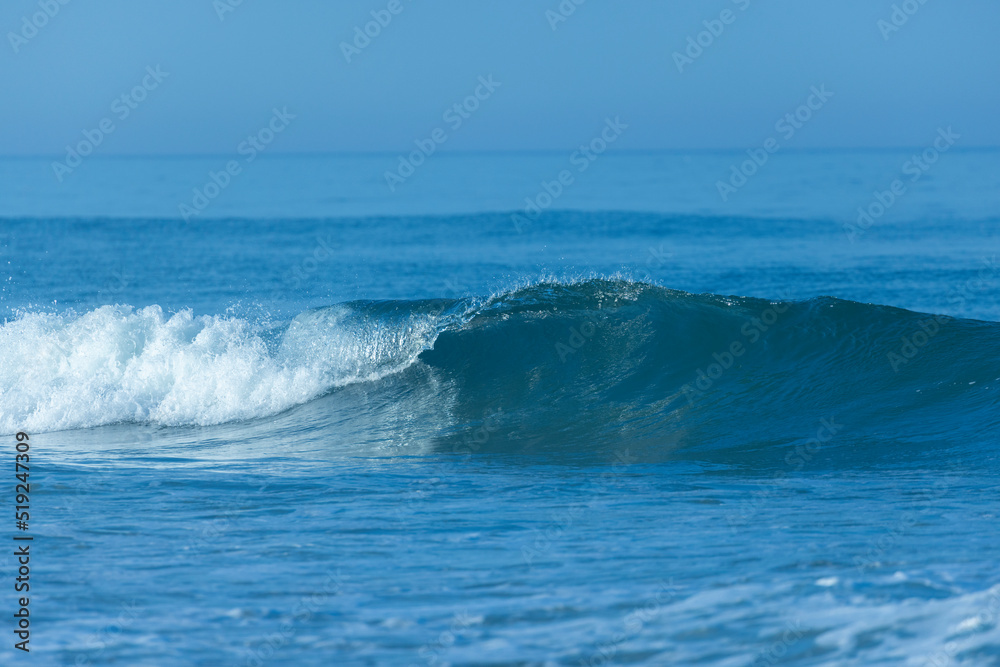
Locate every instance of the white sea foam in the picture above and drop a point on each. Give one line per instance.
(117, 364)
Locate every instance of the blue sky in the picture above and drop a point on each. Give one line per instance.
(226, 71)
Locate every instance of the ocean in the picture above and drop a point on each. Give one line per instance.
(513, 410)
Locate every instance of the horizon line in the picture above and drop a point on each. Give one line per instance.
(544, 151)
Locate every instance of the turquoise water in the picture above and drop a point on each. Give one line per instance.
(322, 423)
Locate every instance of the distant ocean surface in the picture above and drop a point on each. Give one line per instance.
(495, 418)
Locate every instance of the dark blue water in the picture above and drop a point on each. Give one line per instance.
(321, 425)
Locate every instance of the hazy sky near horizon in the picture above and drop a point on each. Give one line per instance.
(225, 71)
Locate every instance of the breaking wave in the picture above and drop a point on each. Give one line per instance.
(596, 361)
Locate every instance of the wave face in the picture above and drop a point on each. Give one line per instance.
(553, 365)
